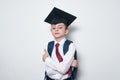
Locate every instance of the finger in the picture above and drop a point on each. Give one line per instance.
(45, 50)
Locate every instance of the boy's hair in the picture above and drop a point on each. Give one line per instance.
(59, 20)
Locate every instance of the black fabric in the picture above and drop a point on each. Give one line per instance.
(67, 79)
(48, 78)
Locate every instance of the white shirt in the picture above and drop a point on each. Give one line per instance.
(55, 69)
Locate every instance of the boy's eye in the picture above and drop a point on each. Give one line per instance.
(60, 27)
(53, 28)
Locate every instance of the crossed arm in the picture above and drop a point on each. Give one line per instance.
(62, 67)
(45, 55)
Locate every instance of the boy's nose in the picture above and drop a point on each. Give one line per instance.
(56, 29)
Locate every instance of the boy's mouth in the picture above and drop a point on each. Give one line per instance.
(56, 33)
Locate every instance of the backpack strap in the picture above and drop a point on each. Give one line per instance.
(75, 55)
(65, 49)
(50, 47)
(66, 46)
(75, 69)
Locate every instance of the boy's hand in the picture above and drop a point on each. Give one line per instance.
(74, 63)
(45, 55)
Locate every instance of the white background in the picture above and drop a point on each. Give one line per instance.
(24, 34)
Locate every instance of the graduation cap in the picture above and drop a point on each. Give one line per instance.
(59, 16)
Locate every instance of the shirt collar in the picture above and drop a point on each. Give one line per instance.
(61, 42)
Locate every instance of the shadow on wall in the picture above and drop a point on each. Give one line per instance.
(73, 29)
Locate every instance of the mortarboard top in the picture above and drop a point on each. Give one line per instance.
(59, 16)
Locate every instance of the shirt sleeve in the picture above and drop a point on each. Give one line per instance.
(54, 74)
(63, 66)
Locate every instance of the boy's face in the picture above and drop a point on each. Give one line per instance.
(59, 30)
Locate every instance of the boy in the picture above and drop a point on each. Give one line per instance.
(58, 63)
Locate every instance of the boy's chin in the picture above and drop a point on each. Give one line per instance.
(59, 37)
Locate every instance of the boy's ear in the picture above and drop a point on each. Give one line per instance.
(67, 31)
